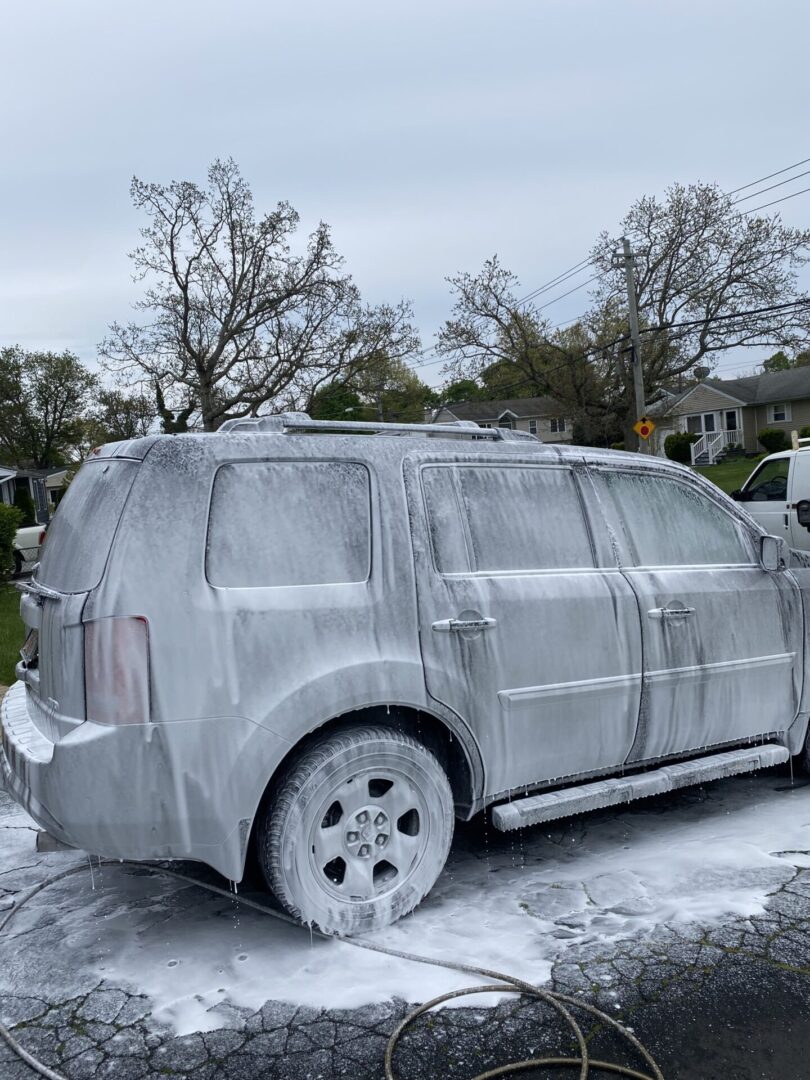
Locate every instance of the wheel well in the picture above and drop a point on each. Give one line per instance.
(426, 728)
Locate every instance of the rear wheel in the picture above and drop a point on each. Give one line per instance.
(18, 562)
(358, 831)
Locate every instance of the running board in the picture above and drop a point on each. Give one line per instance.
(602, 793)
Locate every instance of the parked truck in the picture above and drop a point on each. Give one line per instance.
(27, 542)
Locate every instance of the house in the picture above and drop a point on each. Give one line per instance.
(542, 416)
(725, 412)
(45, 486)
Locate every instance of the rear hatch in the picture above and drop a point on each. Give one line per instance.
(72, 564)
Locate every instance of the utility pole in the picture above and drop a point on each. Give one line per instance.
(632, 307)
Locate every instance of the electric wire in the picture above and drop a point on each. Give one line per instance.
(756, 194)
(784, 198)
(562, 1004)
(762, 179)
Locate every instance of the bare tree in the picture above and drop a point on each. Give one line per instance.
(708, 277)
(234, 319)
(490, 334)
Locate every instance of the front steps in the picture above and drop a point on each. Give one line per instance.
(594, 796)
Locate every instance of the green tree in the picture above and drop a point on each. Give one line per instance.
(337, 401)
(43, 399)
(25, 504)
(10, 520)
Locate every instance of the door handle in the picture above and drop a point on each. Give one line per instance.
(458, 626)
(670, 612)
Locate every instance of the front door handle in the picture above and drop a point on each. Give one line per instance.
(671, 612)
(459, 626)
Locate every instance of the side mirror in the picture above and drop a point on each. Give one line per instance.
(803, 512)
(772, 553)
(736, 495)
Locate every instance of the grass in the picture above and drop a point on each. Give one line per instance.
(11, 633)
(730, 475)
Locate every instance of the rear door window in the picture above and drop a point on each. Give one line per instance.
(81, 532)
(505, 518)
(288, 523)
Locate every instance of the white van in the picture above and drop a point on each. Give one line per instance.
(777, 494)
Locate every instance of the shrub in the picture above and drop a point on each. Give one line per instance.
(617, 446)
(773, 439)
(25, 504)
(676, 446)
(805, 432)
(10, 518)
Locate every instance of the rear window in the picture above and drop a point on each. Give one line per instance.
(289, 523)
(81, 532)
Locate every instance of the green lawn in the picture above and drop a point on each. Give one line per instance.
(11, 633)
(730, 475)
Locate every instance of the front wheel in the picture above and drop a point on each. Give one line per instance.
(358, 831)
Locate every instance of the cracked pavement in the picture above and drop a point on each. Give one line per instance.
(722, 997)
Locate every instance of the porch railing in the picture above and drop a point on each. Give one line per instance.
(712, 444)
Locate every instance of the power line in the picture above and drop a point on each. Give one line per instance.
(762, 179)
(755, 194)
(558, 280)
(784, 198)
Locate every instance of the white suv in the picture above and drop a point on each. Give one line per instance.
(419, 624)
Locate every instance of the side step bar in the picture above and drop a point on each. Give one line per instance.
(602, 793)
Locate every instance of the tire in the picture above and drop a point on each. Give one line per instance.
(358, 830)
(18, 562)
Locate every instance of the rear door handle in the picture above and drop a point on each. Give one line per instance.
(670, 612)
(458, 626)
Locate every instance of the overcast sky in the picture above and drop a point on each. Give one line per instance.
(428, 135)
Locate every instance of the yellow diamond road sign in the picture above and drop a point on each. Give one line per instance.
(644, 427)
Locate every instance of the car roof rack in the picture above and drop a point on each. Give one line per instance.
(797, 443)
(286, 422)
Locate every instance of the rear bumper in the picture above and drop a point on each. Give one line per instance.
(180, 790)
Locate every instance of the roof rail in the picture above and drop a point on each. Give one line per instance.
(285, 422)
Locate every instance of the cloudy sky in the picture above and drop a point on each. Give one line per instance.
(429, 135)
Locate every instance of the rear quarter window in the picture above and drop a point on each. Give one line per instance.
(289, 523)
(81, 532)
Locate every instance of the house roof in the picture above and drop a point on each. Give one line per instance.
(521, 408)
(763, 389)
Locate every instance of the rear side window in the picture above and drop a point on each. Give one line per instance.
(661, 522)
(490, 518)
(289, 523)
(83, 526)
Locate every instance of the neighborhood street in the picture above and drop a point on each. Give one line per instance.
(685, 916)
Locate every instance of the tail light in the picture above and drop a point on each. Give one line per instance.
(116, 670)
(42, 537)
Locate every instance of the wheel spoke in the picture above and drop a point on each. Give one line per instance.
(398, 800)
(328, 844)
(359, 878)
(401, 850)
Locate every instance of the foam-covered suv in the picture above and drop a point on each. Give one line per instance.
(418, 622)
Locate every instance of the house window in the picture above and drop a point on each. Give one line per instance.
(731, 420)
(777, 413)
(557, 424)
(701, 422)
(533, 427)
(484, 425)
(505, 422)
